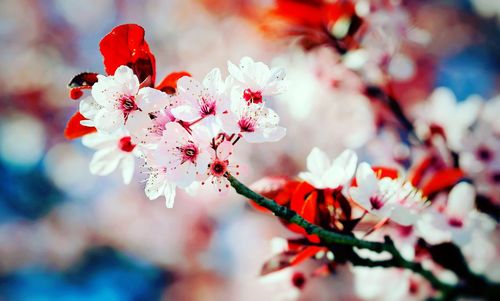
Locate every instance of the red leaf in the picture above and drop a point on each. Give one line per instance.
(442, 180)
(125, 45)
(169, 83)
(74, 129)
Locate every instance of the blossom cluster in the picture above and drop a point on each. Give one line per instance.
(389, 195)
(345, 196)
(184, 130)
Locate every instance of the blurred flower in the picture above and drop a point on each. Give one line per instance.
(455, 222)
(444, 114)
(325, 174)
(387, 197)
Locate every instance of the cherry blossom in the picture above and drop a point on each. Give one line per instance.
(119, 98)
(219, 165)
(323, 173)
(184, 156)
(444, 112)
(148, 127)
(480, 155)
(254, 122)
(456, 221)
(113, 151)
(185, 132)
(255, 81)
(387, 197)
(203, 100)
(158, 185)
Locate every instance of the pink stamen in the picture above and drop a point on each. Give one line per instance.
(376, 202)
(218, 168)
(484, 154)
(455, 222)
(127, 104)
(189, 152)
(247, 124)
(207, 107)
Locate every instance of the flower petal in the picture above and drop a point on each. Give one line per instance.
(461, 200)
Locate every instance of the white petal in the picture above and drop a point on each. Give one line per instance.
(89, 123)
(105, 161)
(169, 194)
(89, 107)
(254, 137)
(99, 141)
(461, 200)
(155, 186)
(235, 71)
(360, 196)
(126, 77)
(312, 179)
(247, 65)
(274, 134)
(189, 88)
(230, 123)
(185, 113)
(109, 120)
(334, 177)
(128, 166)
(346, 161)
(106, 92)
(468, 111)
(261, 75)
(366, 178)
(202, 161)
(183, 175)
(224, 150)
(137, 124)
(151, 100)
(317, 162)
(213, 81)
(403, 216)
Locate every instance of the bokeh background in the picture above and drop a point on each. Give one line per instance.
(68, 235)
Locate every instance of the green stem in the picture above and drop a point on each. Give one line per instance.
(329, 237)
